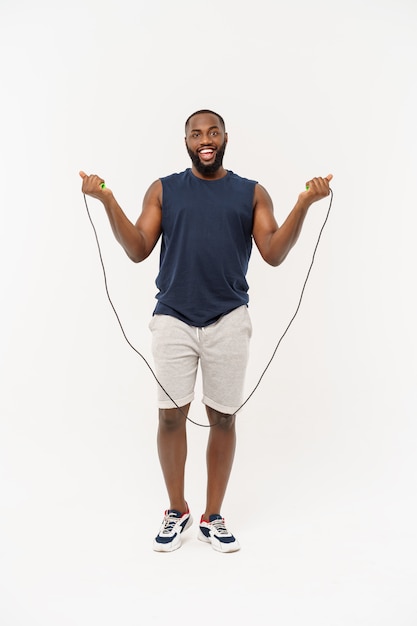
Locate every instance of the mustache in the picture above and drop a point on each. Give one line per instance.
(204, 169)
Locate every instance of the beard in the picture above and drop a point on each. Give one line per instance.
(202, 168)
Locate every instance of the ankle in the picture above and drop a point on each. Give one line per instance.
(182, 508)
(206, 516)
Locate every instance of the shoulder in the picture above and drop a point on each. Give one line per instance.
(240, 179)
(261, 196)
(154, 191)
(157, 184)
(165, 184)
(176, 177)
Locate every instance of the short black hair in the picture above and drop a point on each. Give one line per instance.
(221, 120)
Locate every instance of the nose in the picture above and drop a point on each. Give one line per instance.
(206, 140)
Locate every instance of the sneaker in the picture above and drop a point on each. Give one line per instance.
(169, 536)
(216, 533)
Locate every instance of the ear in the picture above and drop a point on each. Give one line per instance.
(226, 137)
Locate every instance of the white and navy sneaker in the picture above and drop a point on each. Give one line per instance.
(169, 536)
(216, 533)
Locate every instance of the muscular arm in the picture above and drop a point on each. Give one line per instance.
(139, 239)
(274, 242)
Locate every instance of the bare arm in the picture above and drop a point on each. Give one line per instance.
(274, 242)
(139, 239)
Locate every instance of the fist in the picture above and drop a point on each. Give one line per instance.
(93, 186)
(317, 188)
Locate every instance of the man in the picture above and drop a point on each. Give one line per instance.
(206, 217)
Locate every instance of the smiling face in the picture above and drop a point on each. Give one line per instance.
(206, 141)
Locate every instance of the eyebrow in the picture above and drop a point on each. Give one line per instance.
(193, 130)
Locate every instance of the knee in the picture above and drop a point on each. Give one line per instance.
(224, 421)
(171, 419)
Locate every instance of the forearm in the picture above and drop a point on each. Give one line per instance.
(126, 233)
(284, 238)
(275, 242)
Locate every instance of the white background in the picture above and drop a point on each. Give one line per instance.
(322, 496)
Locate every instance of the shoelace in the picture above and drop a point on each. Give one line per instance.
(169, 522)
(220, 527)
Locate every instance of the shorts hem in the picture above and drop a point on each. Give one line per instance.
(222, 408)
(169, 404)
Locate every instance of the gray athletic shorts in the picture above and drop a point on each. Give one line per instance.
(222, 349)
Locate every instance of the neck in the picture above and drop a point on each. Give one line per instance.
(220, 173)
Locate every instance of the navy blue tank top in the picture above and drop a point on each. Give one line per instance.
(206, 246)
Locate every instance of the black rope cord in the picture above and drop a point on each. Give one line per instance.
(274, 351)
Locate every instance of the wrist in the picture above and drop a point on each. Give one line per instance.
(303, 202)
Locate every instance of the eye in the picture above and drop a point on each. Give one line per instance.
(214, 133)
(195, 135)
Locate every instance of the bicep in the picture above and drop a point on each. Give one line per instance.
(149, 223)
(264, 222)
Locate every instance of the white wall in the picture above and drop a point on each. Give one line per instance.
(328, 440)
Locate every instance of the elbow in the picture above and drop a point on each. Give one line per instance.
(134, 254)
(140, 249)
(274, 260)
(136, 248)
(273, 250)
(136, 257)
(137, 253)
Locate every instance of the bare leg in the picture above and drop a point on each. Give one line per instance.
(172, 450)
(220, 454)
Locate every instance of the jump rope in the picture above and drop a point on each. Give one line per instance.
(275, 349)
